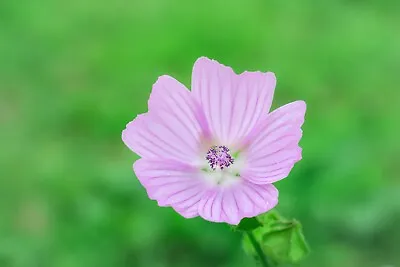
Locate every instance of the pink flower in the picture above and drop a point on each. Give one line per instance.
(215, 151)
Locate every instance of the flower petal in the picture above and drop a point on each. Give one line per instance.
(232, 204)
(171, 183)
(173, 97)
(233, 104)
(172, 127)
(272, 147)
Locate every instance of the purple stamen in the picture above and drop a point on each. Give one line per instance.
(218, 156)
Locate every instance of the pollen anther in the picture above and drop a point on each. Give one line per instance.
(219, 156)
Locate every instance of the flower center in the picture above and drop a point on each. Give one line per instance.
(218, 156)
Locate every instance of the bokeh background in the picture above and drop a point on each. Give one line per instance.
(73, 73)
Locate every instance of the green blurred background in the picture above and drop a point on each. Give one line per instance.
(73, 73)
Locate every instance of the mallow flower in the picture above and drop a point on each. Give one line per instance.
(215, 151)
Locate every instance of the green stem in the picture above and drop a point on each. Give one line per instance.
(257, 248)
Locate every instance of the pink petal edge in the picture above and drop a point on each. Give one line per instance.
(231, 205)
(171, 183)
(172, 129)
(273, 146)
(232, 104)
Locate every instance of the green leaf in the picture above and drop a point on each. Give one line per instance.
(285, 243)
(270, 217)
(248, 224)
(299, 249)
(276, 244)
(279, 226)
(282, 240)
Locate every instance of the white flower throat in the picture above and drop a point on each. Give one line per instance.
(222, 164)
